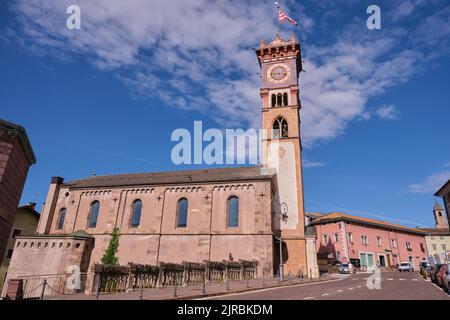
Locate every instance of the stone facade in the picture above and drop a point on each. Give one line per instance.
(16, 156)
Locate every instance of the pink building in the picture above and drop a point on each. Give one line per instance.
(367, 242)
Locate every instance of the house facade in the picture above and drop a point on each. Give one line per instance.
(25, 224)
(438, 238)
(368, 243)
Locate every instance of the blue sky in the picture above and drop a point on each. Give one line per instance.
(105, 99)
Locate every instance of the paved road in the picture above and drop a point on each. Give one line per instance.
(393, 286)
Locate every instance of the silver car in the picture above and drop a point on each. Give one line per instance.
(346, 268)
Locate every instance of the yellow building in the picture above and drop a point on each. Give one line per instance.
(438, 238)
(25, 224)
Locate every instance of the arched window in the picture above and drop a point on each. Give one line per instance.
(285, 99)
(280, 128)
(61, 218)
(136, 213)
(274, 100)
(233, 211)
(279, 102)
(93, 214)
(182, 211)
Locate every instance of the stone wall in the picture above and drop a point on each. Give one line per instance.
(48, 256)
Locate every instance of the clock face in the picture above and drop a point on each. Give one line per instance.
(278, 73)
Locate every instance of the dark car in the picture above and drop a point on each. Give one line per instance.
(440, 275)
(434, 271)
(424, 266)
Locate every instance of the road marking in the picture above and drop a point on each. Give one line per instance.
(365, 278)
(351, 288)
(415, 279)
(401, 279)
(358, 286)
(390, 279)
(307, 298)
(340, 290)
(267, 289)
(325, 294)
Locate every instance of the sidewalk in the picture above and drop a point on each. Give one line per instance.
(196, 291)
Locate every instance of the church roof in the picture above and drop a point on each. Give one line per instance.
(174, 177)
(338, 216)
(437, 207)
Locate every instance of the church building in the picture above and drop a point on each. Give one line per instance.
(235, 213)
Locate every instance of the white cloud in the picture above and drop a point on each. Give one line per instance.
(312, 164)
(431, 183)
(388, 112)
(196, 55)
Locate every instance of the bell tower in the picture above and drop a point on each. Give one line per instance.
(439, 216)
(280, 62)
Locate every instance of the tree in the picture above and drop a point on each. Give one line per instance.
(109, 257)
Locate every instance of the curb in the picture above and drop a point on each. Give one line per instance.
(206, 295)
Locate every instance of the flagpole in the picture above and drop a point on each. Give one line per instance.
(278, 20)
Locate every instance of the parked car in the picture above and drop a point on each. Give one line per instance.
(446, 279)
(440, 276)
(347, 268)
(405, 266)
(424, 266)
(434, 272)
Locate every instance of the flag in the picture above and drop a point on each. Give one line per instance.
(283, 16)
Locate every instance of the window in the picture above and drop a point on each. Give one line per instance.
(9, 254)
(16, 233)
(336, 237)
(93, 214)
(274, 100)
(422, 247)
(285, 99)
(364, 239)
(233, 211)
(325, 238)
(280, 128)
(434, 246)
(279, 102)
(182, 211)
(62, 217)
(338, 255)
(379, 241)
(444, 247)
(350, 237)
(394, 243)
(408, 245)
(136, 213)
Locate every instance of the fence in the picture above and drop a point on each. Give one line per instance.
(35, 287)
(109, 279)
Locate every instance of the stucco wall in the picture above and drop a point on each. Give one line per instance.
(397, 254)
